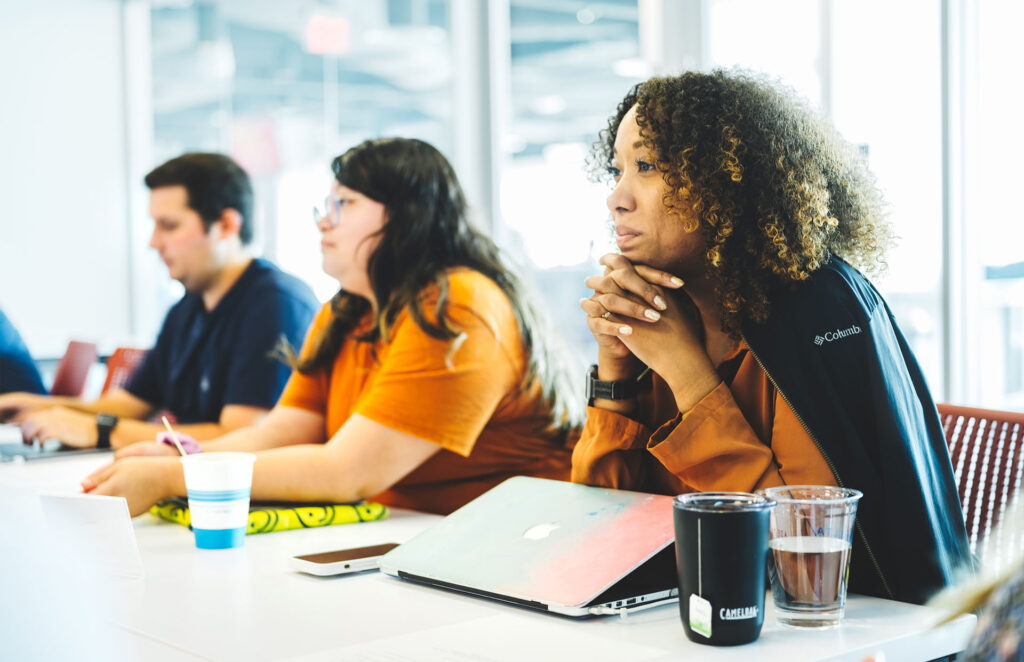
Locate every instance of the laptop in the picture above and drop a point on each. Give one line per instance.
(12, 447)
(552, 546)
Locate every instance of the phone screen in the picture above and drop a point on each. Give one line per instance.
(349, 554)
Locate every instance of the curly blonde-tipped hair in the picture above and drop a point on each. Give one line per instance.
(773, 188)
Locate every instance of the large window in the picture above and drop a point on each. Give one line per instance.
(994, 227)
(284, 87)
(782, 38)
(818, 47)
(897, 120)
(571, 64)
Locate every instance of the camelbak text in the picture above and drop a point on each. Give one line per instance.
(739, 614)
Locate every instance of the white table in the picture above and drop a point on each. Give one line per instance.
(246, 604)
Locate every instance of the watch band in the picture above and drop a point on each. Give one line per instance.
(105, 424)
(620, 389)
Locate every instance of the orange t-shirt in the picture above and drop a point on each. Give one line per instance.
(742, 436)
(462, 395)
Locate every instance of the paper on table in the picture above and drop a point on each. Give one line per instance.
(97, 528)
(494, 639)
(55, 604)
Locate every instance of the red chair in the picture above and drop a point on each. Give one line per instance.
(120, 366)
(988, 464)
(73, 369)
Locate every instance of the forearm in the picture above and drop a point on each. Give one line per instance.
(611, 369)
(611, 451)
(172, 478)
(129, 432)
(297, 473)
(77, 404)
(305, 473)
(691, 377)
(712, 448)
(117, 402)
(283, 426)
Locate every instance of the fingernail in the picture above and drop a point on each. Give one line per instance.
(626, 330)
(652, 314)
(678, 282)
(659, 302)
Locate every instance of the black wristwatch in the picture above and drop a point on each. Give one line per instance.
(105, 424)
(620, 389)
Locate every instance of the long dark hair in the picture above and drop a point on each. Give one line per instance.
(426, 234)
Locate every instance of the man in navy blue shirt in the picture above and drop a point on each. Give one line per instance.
(212, 366)
(18, 371)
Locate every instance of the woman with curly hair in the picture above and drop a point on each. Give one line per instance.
(738, 347)
(422, 384)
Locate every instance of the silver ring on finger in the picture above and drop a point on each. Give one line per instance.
(607, 314)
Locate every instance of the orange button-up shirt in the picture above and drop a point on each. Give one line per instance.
(742, 436)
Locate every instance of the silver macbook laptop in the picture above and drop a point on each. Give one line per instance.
(550, 545)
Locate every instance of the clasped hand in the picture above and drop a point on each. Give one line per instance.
(642, 312)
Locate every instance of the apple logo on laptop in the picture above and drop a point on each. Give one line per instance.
(540, 531)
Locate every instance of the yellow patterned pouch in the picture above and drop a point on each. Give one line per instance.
(267, 517)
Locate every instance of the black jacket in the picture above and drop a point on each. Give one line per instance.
(832, 349)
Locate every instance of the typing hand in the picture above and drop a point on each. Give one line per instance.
(14, 406)
(71, 427)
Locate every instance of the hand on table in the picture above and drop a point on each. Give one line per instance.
(142, 481)
(72, 428)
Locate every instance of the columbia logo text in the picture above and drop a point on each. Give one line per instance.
(838, 334)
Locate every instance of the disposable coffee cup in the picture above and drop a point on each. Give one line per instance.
(218, 486)
(721, 550)
(811, 539)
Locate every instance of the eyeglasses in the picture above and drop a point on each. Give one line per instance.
(333, 216)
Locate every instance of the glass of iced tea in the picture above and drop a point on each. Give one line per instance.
(809, 543)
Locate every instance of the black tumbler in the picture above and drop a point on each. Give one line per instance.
(721, 552)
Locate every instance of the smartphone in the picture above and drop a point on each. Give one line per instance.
(341, 561)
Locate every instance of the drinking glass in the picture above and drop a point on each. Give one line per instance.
(810, 540)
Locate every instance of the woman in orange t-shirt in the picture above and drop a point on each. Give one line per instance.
(421, 384)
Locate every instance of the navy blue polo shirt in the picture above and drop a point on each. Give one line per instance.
(18, 371)
(206, 360)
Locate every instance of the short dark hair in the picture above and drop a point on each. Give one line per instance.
(213, 182)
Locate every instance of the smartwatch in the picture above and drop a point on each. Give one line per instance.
(620, 389)
(105, 424)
